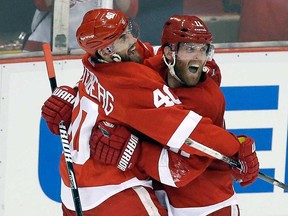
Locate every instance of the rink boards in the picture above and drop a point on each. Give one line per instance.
(255, 85)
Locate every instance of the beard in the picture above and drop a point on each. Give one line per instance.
(190, 76)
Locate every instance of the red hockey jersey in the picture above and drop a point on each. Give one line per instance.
(133, 95)
(212, 186)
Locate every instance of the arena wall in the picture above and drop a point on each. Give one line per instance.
(255, 84)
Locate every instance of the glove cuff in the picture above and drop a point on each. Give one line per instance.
(129, 153)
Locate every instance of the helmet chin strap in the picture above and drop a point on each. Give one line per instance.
(171, 67)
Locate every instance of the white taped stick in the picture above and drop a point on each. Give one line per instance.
(232, 162)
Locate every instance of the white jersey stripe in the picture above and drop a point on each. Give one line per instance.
(164, 171)
(184, 130)
(146, 201)
(94, 196)
(205, 210)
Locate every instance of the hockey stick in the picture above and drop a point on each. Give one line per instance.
(63, 133)
(232, 162)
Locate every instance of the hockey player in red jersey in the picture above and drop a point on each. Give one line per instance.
(101, 192)
(148, 106)
(186, 44)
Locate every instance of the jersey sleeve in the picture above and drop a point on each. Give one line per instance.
(214, 71)
(145, 50)
(170, 168)
(136, 96)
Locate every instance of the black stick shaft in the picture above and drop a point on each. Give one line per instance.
(63, 134)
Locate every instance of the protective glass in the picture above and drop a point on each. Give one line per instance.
(133, 27)
(123, 43)
(193, 47)
(203, 50)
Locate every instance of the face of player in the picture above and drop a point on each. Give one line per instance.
(125, 46)
(190, 60)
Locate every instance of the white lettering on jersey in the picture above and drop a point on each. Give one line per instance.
(96, 90)
(84, 118)
(165, 98)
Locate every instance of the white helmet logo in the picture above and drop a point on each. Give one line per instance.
(86, 37)
(110, 15)
(198, 23)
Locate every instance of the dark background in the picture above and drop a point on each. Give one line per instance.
(151, 16)
(16, 16)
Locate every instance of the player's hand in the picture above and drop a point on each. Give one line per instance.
(214, 71)
(248, 159)
(114, 145)
(59, 107)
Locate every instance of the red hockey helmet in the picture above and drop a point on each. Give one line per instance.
(100, 28)
(184, 28)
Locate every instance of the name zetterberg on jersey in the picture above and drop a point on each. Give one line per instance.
(128, 152)
(96, 90)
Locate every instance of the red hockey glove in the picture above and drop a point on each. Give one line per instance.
(114, 145)
(59, 107)
(249, 162)
(214, 71)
